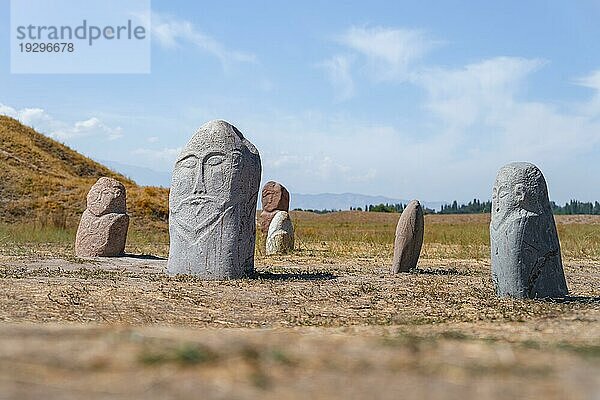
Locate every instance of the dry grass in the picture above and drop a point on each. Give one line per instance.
(338, 276)
(287, 292)
(354, 234)
(346, 235)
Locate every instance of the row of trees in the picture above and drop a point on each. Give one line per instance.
(389, 208)
(576, 207)
(473, 207)
(476, 206)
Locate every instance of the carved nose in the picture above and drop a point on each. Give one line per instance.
(199, 185)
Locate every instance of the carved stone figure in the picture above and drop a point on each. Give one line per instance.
(212, 204)
(280, 238)
(526, 260)
(275, 197)
(409, 238)
(103, 227)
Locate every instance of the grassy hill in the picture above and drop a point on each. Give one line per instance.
(45, 182)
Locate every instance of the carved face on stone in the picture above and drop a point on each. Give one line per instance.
(107, 196)
(519, 188)
(208, 178)
(275, 197)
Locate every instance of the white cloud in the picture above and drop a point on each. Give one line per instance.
(390, 52)
(480, 107)
(485, 120)
(170, 32)
(338, 69)
(384, 54)
(89, 127)
(591, 81)
(28, 116)
(476, 91)
(153, 139)
(45, 123)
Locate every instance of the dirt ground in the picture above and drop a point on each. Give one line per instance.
(303, 328)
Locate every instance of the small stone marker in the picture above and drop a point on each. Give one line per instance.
(526, 260)
(409, 238)
(280, 237)
(212, 204)
(275, 197)
(103, 227)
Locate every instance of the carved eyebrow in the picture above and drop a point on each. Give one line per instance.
(185, 156)
(212, 154)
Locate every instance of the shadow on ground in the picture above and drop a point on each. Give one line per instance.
(143, 257)
(435, 271)
(578, 299)
(294, 276)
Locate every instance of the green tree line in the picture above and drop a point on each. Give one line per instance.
(576, 207)
(476, 206)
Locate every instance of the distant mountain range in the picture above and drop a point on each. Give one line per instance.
(141, 176)
(321, 201)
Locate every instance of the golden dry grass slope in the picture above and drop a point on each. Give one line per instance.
(45, 182)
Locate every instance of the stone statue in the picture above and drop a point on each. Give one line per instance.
(103, 227)
(526, 261)
(212, 204)
(280, 238)
(275, 197)
(409, 238)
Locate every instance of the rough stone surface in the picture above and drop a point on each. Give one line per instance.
(409, 238)
(525, 251)
(103, 227)
(275, 197)
(107, 196)
(264, 221)
(280, 237)
(212, 204)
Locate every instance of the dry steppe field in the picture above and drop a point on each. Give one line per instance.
(327, 321)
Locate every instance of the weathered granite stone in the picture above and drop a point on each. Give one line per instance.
(103, 236)
(409, 238)
(526, 260)
(264, 221)
(107, 196)
(275, 197)
(103, 227)
(212, 204)
(280, 238)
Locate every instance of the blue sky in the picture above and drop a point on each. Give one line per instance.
(404, 99)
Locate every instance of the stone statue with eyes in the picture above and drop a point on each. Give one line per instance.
(212, 204)
(525, 251)
(275, 197)
(102, 231)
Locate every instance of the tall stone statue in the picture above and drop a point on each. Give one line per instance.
(103, 227)
(280, 238)
(409, 238)
(275, 197)
(212, 204)
(526, 261)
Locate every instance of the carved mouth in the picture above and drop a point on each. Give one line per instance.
(194, 214)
